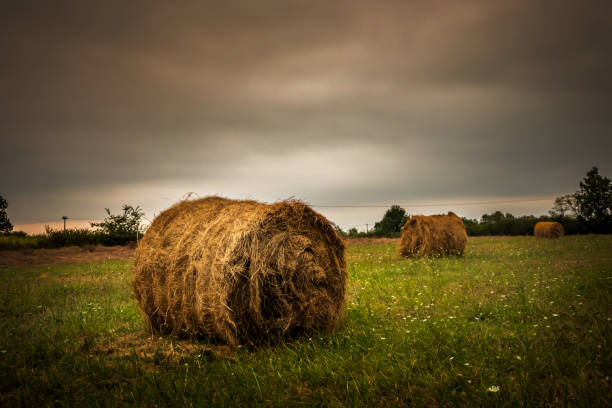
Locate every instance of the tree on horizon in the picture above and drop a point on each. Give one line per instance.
(5, 223)
(594, 202)
(392, 222)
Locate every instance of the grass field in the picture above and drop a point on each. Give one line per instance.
(516, 322)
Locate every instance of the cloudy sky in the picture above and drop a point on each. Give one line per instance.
(473, 105)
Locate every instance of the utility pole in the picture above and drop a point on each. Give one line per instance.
(367, 230)
(64, 218)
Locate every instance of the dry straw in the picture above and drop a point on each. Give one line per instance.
(548, 229)
(240, 271)
(434, 235)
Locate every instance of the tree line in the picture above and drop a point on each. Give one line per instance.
(587, 211)
(116, 229)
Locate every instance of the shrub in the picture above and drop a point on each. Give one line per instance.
(120, 229)
(71, 237)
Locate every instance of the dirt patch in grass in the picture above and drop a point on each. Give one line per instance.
(154, 348)
(370, 241)
(65, 255)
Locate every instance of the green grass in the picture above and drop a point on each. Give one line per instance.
(531, 317)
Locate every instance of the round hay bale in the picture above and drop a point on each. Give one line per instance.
(434, 235)
(548, 229)
(240, 271)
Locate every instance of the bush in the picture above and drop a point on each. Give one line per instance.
(114, 230)
(121, 228)
(18, 241)
(71, 237)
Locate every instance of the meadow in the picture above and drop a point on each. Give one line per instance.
(515, 322)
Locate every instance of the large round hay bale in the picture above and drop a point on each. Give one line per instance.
(240, 271)
(548, 229)
(433, 235)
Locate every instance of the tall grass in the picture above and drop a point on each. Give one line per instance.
(516, 322)
(64, 238)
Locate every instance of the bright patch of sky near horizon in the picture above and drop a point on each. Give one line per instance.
(347, 102)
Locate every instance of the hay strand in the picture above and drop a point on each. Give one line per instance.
(240, 271)
(434, 235)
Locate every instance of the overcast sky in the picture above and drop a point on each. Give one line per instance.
(334, 102)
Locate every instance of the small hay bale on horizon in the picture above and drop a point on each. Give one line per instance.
(240, 272)
(433, 235)
(548, 229)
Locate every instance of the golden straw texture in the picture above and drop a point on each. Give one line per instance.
(434, 235)
(240, 271)
(548, 229)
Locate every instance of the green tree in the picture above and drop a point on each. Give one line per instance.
(392, 222)
(594, 202)
(564, 206)
(5, 223)
(353, 232)
(340, 231)
(128, 224)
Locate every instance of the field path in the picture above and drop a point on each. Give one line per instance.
(64, 255)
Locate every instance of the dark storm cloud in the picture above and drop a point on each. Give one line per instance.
(432, 99)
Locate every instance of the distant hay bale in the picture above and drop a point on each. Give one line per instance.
(436, 235)
(548, 229)
(240, 271)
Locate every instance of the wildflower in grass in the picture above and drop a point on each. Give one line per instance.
(493, 388)
(555, 315)
(466, 364)
(518, 358)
